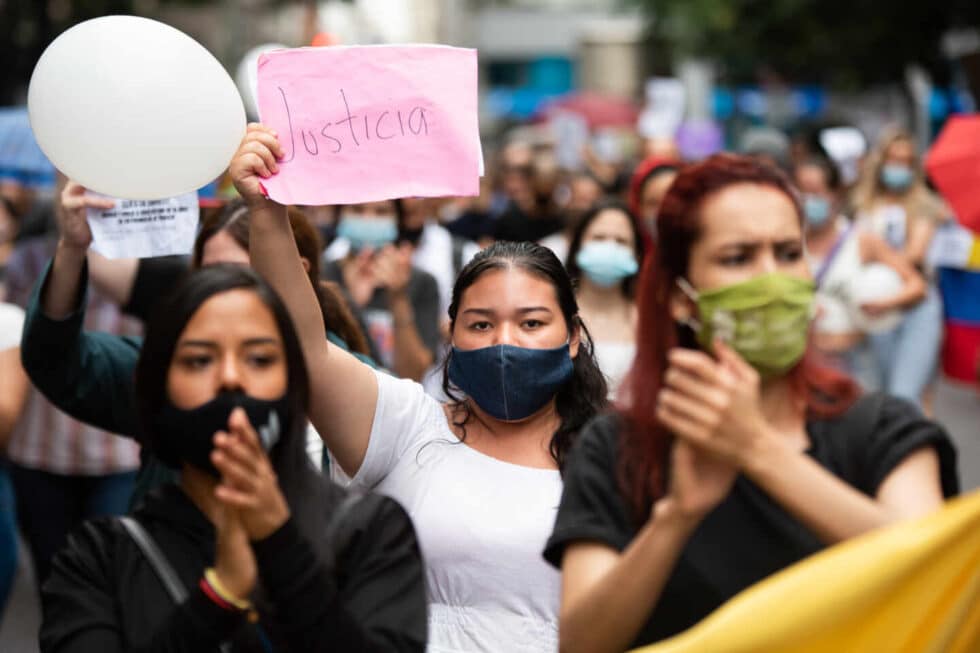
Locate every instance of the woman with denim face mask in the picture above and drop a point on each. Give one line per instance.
(735, 453)
(480, 474)
(838, 254)
(604, 258)
(253, 536)
(892, 201)
(396, 301)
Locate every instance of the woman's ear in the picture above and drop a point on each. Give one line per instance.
(306, 263)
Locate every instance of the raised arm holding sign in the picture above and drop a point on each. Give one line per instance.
(366, 123)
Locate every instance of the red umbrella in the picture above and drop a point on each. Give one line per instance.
(953, 164)
(598, 110)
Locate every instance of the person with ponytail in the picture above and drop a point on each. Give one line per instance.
(479, 474)
(737, 452)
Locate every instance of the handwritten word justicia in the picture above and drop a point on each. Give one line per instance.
(353, 129)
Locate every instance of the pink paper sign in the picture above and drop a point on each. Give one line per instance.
(366, 123)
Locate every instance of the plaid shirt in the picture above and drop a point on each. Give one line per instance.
(46, 438)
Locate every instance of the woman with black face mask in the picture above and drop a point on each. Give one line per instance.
(252, 550)
(479, 475)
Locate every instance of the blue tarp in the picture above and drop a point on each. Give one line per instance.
(20, 157)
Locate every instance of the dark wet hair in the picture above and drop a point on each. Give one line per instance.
(629, 283)
(301, 484)
(584, 395)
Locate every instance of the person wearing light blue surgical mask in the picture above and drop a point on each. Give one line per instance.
(893, 202)
(606, 262)
(396, 303)
(817, 210)
(896, 177)
(604, 258)
(367, 232)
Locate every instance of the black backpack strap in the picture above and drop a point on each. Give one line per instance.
(164, 571)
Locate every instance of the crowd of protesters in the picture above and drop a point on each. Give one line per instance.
(522, 421)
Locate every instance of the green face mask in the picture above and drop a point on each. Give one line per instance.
(764, 319)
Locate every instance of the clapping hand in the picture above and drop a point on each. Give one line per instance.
(713, 404)
(248, 483)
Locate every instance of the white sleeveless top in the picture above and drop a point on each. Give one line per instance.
(615, 359)
(482, 525)
(888, 222)
(835, 308)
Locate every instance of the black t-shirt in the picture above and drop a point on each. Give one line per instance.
(473, 225)
(748, 536)
(517, 226)
(155, 277)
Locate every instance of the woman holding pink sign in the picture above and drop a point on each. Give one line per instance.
(478, 475)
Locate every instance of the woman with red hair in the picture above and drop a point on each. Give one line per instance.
(737, 453)
(648, 185)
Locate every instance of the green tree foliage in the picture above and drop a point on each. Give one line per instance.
(843, 43)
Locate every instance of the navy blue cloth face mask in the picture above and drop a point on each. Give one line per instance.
(508, 382)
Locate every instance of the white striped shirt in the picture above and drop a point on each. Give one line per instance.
(46, 438)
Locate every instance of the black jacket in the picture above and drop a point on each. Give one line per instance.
(103, 596)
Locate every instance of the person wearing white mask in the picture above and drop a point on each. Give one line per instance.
(604, 257)
(892, 201)
(398, 304)
(837, 253)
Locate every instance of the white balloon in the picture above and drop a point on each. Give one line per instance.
(247, 76)
(133, 108)
(875, 282)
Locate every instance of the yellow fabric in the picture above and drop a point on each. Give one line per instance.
(973, 263)
(910, 588)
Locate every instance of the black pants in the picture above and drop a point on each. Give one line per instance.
(50, 506)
